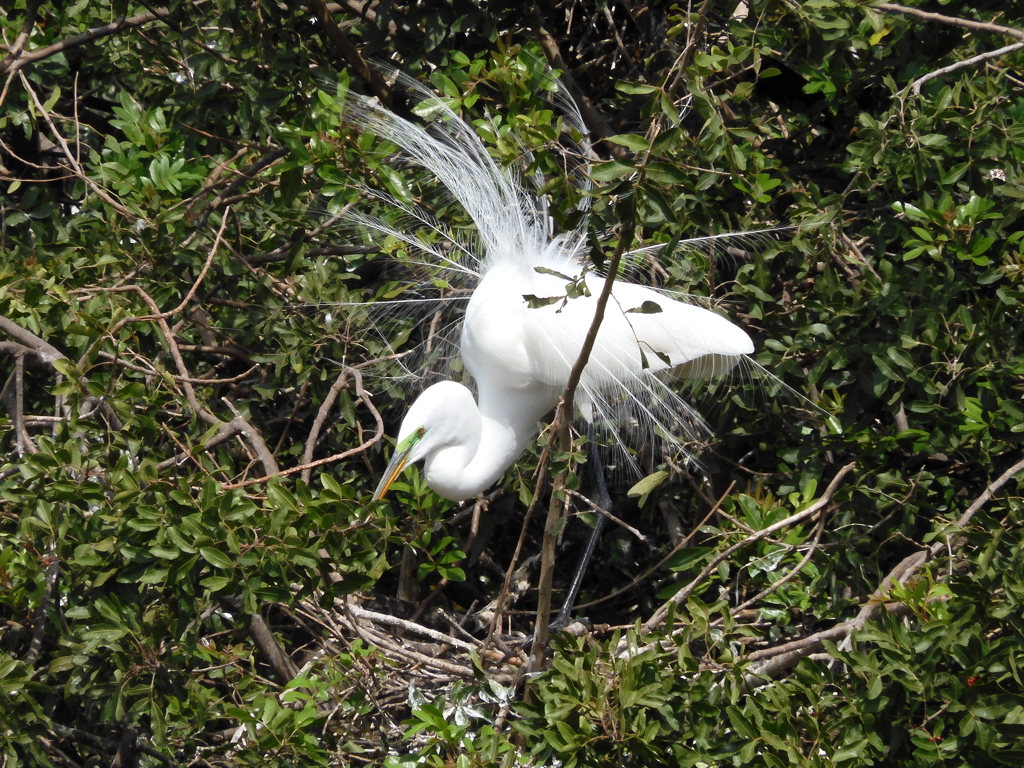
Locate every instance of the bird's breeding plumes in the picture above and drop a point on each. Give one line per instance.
(527, 316)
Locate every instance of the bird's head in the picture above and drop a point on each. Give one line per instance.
(439, 418)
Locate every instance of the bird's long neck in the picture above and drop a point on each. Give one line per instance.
(508, 422)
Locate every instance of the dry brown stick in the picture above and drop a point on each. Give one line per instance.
(254, 438)
(608, 515)
(810, 511)
(383, 642)
(321, 416)
(71, 42)
(411, 626)
(952, 21)
(192, 380)
(378, 435)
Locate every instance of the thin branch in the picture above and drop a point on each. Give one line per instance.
(19, 42)
(788, 577)
(560, 433)
(39, 619)
(107, 29)
(810, 511)
(74, 165)
(783, 657)
(915, 87)
(952, 21)
(378, 435)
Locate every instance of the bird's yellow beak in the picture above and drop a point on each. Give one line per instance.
(398, 463)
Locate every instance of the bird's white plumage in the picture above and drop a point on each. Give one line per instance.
(520, 356)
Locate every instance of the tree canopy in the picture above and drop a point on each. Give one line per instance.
(202, 367)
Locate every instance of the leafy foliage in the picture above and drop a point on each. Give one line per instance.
(183, 329)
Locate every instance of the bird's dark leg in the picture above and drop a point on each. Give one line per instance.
(601, 498)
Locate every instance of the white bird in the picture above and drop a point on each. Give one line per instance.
(519, 351)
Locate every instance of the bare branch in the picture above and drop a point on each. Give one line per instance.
(45, 352)
(73, 163)
(810, 511)
(952, 21)
(915, 87)
(19, 42)
(25, 59)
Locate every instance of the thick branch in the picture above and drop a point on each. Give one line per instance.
(272, 651)
(45, 352)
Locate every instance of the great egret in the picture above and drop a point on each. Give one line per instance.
(518, 342)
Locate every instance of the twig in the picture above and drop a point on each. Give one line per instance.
(608, 515)
(378, 435)
(321, 416)
(788, 577)
(107, 29)
(19, 42)
(410, 626)
(810, 511)
(243, 176)
(915, 87)
(952, 21)
(75, 166)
